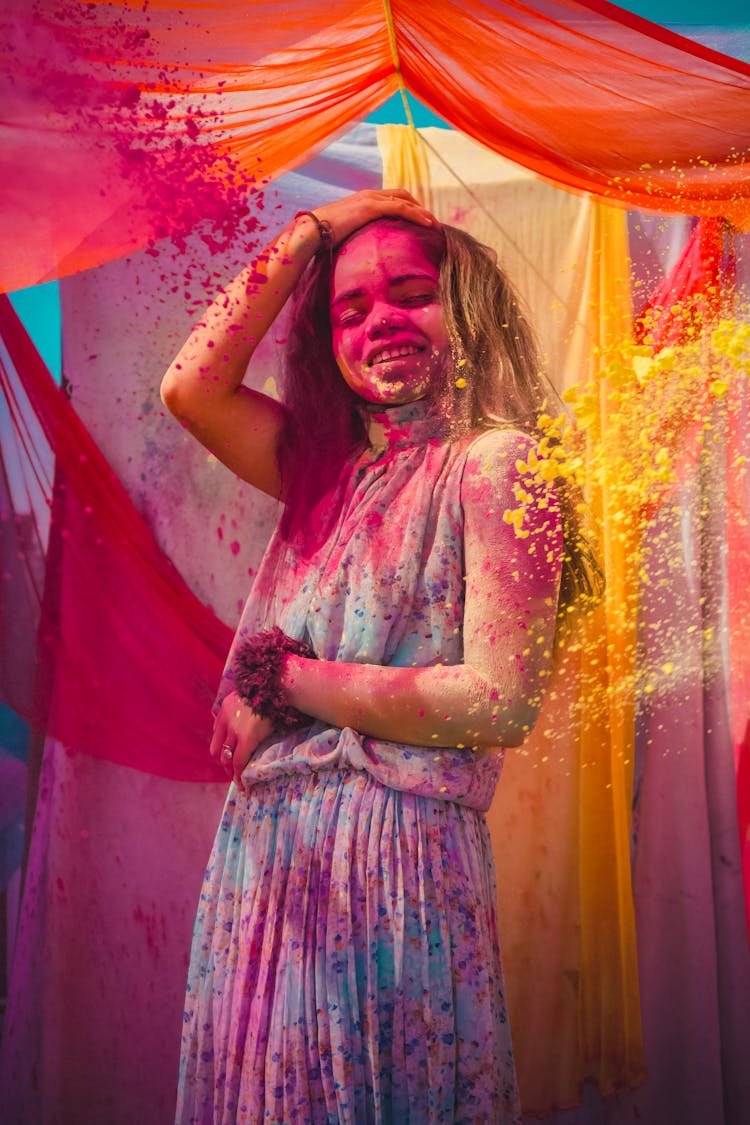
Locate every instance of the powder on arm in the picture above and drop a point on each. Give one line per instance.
(512, 580)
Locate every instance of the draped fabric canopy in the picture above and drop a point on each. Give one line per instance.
(127, 122)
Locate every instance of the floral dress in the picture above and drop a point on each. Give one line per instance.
(345, 965)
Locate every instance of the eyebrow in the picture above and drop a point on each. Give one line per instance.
(355, 294)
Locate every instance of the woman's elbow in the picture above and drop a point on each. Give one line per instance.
(502, 714)
(170, 392)
(179, 400)
(508, 727)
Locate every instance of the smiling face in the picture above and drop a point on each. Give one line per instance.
(388, 331)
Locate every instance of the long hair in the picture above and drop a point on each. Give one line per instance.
(496, 380)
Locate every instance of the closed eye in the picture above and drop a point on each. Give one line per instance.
(352, 316)
(419, 299)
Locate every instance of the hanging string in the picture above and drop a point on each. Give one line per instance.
(397, 64)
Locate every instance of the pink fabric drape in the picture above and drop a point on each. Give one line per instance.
(134, 656)
(686, 303)
(91, 1033)
(738, 566)
(689, 303)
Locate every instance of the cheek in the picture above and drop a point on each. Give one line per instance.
(440, 337)
(338, 345)
(343, 352)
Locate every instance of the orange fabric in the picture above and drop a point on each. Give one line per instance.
(125, 123)
(591, 99)
(609, 1013)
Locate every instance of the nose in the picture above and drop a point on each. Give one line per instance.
(383, 318)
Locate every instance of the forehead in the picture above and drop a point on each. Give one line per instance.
(381, 251)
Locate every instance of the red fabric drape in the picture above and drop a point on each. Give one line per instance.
(691, 294)
(126, 123)
(124, 627)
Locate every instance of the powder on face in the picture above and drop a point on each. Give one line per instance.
(388, 330)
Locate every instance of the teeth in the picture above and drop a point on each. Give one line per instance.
(393, 353)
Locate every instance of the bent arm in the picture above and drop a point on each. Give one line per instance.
(203, 386)
(512, 584)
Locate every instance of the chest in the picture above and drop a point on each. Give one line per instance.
(391, 587)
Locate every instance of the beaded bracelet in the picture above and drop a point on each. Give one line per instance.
(259, 665)
(325, 230)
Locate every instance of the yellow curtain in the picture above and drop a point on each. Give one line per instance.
(561, 819)
(405, 163)
(610, 1026)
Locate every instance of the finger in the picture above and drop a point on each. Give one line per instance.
(242, 755)
(220, 729)
(227, 759)
(222, 736)
(399, 193)
(223, 746)
(402, 203)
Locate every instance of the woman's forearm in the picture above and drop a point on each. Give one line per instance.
(444, 705)
(203, 388)
(214, 358)
(509, 623)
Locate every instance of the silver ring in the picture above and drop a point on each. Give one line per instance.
(228, 751)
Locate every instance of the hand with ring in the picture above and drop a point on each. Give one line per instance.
(237, 733)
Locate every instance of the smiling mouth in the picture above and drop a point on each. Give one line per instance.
(387, 355)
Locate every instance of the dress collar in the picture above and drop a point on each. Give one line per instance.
(410, 423)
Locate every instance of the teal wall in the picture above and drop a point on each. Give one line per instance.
(39, 309)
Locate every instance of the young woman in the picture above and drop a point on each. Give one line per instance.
(345, 963)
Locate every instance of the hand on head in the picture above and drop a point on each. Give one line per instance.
(353, 211)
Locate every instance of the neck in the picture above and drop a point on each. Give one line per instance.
(407, 423)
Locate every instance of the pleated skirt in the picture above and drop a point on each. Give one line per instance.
(345, 966)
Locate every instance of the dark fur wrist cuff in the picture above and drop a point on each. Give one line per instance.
(258, 668)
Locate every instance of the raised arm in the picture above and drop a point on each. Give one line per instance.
(203, 387)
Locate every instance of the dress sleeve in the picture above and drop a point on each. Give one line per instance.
(513, 548)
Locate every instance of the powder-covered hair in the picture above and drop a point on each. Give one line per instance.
(496, 380)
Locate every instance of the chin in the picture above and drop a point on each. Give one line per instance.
(394, 392)
(396, 398)
(394, 386)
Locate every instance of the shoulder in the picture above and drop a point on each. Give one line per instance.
(492, 461)
(503, 483)
(500, 442)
